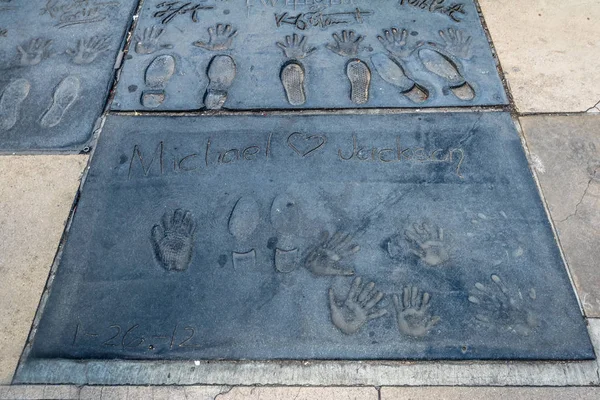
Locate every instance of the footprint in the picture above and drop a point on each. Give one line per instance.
(244, 261)
(244, 218)
(10, 102)
(445, 68)
(158, 74)
(359, 75)
(394, 74)
(243, 221)
(221, 72)
(286, 219)
(64, 96)
(292, 78)
(286, 260)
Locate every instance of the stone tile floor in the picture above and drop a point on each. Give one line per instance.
(549, 51)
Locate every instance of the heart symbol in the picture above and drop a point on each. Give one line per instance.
(306, 143)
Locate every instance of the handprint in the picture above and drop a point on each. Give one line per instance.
(395, 42)
(89, 49)
(497, 304)
(35, 51)
(413, 315)
(348, 45)
(324, 259)
(357, 309)
(219, 38)
(457, 42)
(173, 240)
(295, 47)
(149, 42)
(427, 242)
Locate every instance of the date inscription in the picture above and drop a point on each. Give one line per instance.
(136, 337)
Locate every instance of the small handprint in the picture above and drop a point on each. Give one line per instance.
(295, 47)
(457, 42)
(35, 51)
(89, 49)
(149, 42)
(427, 242)
(413, 316)
(325, 258)
(358, 308)
(348, 45)
(497, 304)
(173, 240)
(396, 42)
(219, 38)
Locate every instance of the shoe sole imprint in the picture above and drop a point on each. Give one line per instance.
(292, 78)
(286, 261)
(10, 103)
(157, 76)
(221, 73)
(442, 66)
(394, 74)
(359, 75)
(64, 97)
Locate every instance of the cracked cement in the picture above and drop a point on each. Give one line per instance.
(568, 148)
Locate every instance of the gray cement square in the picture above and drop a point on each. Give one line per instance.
(565, 151)
(57, 66)
(309, 239)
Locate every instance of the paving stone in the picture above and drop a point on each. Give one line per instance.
(139, 392)
(456, 393)
(168, 393)
(204, 392)
(548, 50)
(37, 193)
(25, 392)
(57, 63)
(115, 393)
(265, 259)
(258, 54)
(300, 393)
(565, 152)
(92, 393)
(61, 392)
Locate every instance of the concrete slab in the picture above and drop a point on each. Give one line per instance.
(300, 393)
(343, 244)
(57, 67)
(565, 151)
(549, 51)
(37, 193)
(453, 393)
(291, 54)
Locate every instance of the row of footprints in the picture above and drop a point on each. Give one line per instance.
(222, 70)
(17, 91)
(390, 70)
(412, 69)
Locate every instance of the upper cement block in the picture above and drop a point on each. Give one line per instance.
(280, 54)
(57, 62)
(258, 238)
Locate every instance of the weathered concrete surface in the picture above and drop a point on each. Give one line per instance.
(36, 195)
(517, 393)
(31, 392)
(549, 51)
(565, 152)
